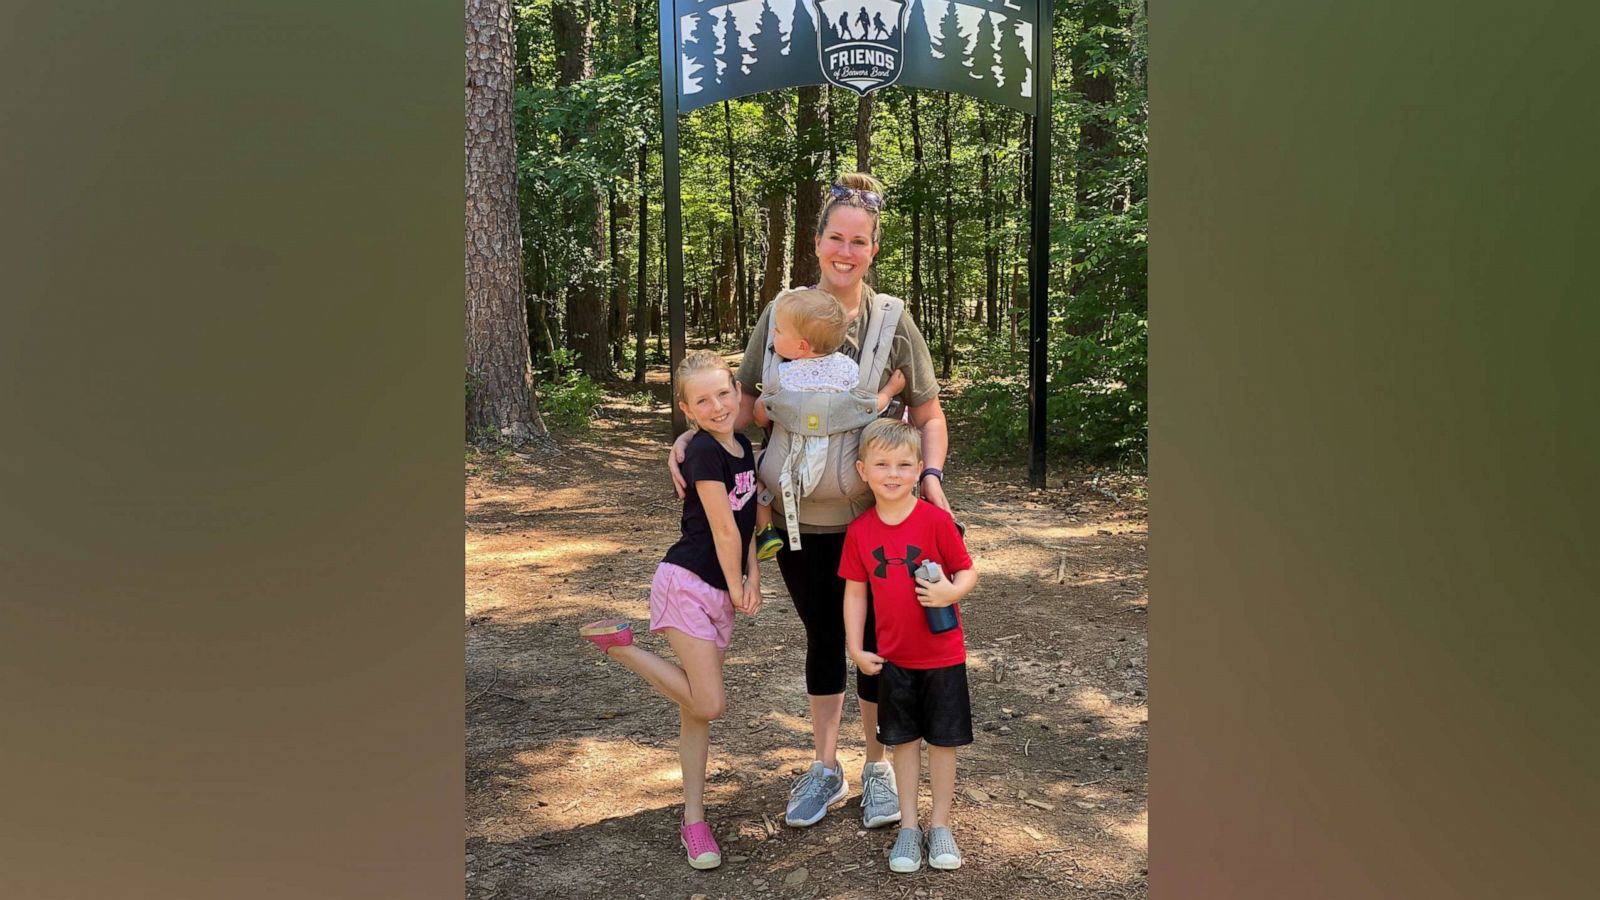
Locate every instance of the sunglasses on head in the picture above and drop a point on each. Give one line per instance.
(869, 199)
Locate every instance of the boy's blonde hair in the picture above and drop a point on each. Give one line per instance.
(817, 318)
(889, 434)
(695, 362)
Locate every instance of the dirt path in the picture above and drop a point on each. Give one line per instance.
(571, 762)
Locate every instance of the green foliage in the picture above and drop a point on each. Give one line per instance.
(1097, 259)
(567, 397)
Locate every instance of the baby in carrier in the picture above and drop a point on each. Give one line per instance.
(808, 328)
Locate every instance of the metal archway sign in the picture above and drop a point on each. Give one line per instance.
(994, 50)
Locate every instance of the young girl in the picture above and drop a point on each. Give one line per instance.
(704, 577)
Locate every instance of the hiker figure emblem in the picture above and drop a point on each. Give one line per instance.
(861, 43)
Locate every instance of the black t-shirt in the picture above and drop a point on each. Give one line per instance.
(706, 460)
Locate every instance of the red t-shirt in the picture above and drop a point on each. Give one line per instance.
(885, 557)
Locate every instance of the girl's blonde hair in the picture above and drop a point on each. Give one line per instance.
(695, 362)
(889, 434)
(859, 181)
(816, 316)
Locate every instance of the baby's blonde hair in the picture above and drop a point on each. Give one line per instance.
(816, 316)
(889, 434)
(695, 362)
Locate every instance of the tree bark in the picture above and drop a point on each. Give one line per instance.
(640, 319)
(916, 214)
(617, 211)
(499, 371)
(741, 284)
(727, 285)
(777, 212)
(807, 189)
(949, 244)
(864, 134)
(991, 249)
(587, 308)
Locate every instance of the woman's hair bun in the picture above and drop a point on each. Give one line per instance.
(861, 181)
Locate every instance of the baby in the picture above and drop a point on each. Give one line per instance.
(808, 331)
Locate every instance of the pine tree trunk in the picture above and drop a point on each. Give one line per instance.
(741, 284)
(807, 189)
(864, 134)
(949, 244)
(777, 212)
(1096, 147)
(640, 319)
(727, 285)
(617, 211)
(916, 215)
(499, 371)
(587, 307)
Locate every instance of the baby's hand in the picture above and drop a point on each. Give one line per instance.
(869, 663)
(897, 382)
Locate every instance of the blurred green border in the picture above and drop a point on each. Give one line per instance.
(230, 606)
(1372, 479)
(232, 558)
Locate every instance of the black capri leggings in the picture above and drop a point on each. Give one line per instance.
(812, 576)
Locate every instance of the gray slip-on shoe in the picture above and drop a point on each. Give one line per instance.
(942, 850)
(907, 853)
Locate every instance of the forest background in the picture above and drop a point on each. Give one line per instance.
(588, 150)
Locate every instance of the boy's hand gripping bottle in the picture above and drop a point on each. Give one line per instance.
(940, 618)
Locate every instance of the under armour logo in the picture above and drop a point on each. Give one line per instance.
(909, 561)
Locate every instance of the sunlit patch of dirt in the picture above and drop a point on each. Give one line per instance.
(572, 762)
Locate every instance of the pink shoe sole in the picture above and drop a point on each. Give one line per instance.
(608, 633)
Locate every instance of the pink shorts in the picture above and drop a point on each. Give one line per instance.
(680, 599)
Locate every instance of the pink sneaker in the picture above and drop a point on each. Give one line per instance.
(608, 633)
(700, 845)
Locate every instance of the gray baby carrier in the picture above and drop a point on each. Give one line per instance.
(838, 494)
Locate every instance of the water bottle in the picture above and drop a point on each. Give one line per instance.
(940, 618)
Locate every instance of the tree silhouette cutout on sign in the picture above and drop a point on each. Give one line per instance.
(1016, 42)
(701, 53)
(732, 49)
(732, 55)
(983, 57)
(767, 45)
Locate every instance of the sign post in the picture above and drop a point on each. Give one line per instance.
(994, 50)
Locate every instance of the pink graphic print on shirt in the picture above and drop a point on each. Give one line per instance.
(744, 487)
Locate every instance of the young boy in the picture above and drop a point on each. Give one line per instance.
(922, 694)
(809, 327)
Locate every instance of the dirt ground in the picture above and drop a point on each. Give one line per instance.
(571, 762)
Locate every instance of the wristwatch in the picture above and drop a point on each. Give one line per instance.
(937, 473)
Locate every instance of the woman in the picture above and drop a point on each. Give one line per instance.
(848, 239)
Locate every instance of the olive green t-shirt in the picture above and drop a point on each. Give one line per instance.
(909, 353)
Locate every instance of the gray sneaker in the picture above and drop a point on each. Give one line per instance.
(942, 850)
(880, 802)
(812, 794)
(907, 853)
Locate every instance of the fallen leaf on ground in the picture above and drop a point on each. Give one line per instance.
(798, 876)
(1033, 832)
